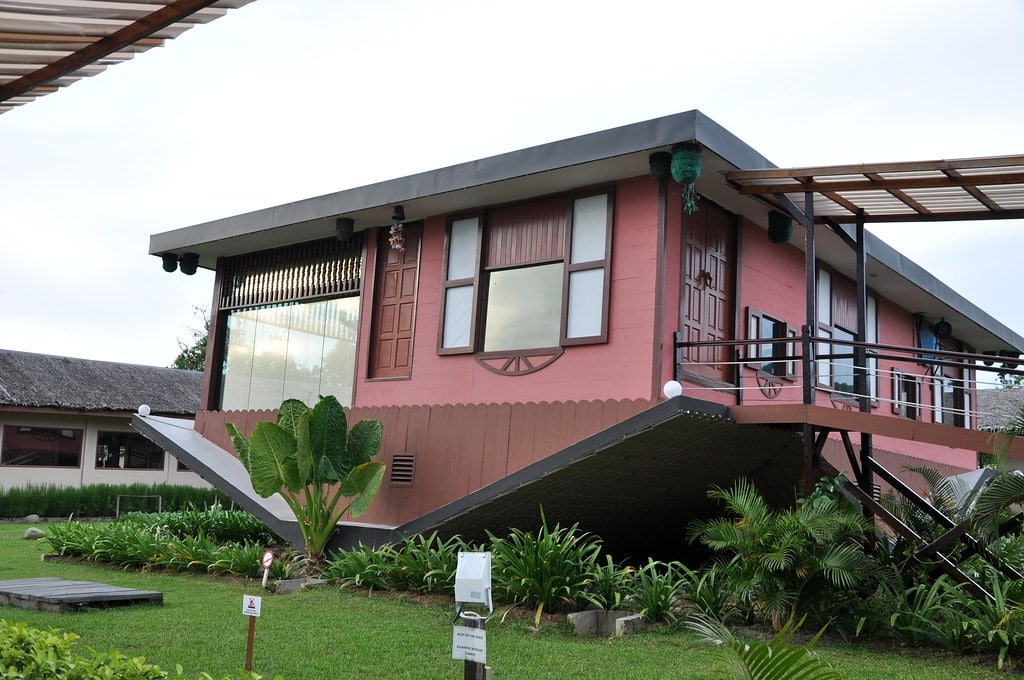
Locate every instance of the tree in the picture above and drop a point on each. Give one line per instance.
(193, 357)
(313, 460)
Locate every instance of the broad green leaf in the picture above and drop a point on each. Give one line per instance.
(272, 460)
(303, 450)
(241, 444)
(289, 413)
(363, 483)
(328, 433)
(364, 441)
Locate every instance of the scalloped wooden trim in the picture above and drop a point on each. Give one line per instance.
(519, 363)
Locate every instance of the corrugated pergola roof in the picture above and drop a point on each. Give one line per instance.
(49, 44)
(965, 189)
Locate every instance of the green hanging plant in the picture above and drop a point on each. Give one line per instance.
(780, 227)
(686, 167)
(661, 165)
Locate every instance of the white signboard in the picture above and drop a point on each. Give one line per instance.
(251, 605)
(469, 644)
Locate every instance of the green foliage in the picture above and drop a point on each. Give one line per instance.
(787, 562)
(610, 584)
(421, 563)
(172, 542)
(193, 356)
(33, 654)
(656, 590)
(544, 570)
(100, 500)
(311, 458)
(776, 659)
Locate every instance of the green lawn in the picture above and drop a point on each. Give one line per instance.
(329, 633)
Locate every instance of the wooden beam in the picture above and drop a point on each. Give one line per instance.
(861, 168)
(881, 184)
(144, 27)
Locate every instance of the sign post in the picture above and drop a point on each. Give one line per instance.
(251, 605)
(472, 586)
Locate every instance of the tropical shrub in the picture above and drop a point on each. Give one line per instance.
(787, 562)
(776, 659)
(33, 654)
(310, 457)
(656, 590)
(544, 570)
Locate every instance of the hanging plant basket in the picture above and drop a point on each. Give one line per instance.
(686, 167)
(780, 227)
(396, 236)
(661, 165)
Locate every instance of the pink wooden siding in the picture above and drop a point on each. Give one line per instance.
(458, 448)
(620, 368)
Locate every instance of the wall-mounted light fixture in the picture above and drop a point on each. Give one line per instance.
(344, 227)
(189, 263)
(170, 261)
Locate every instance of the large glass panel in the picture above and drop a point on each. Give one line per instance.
(589, 228)
(462, 249)
(297, 351)
(524, 308)
(337, 376)
(458, 308)
(586, 297)
(127, 450)
(41, 446)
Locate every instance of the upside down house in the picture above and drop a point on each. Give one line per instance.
(516, 323)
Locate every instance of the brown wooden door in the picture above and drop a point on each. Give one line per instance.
(707, 290)
(394, 305)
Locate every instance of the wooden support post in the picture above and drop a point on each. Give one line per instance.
(249, 643)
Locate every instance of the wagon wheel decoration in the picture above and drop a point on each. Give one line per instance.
(770, 385)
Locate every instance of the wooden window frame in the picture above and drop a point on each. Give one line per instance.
(755, 361)
(900, 406)
(478, 281)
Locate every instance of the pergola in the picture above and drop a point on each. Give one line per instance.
(49, 44)
(845, 198)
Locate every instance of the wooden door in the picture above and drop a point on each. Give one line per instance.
(394, 305)
(709, 237)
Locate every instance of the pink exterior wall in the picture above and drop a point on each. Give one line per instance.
(618, 369)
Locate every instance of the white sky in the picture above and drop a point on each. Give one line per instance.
(286, 99)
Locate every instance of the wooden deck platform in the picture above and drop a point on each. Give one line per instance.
(61, 595)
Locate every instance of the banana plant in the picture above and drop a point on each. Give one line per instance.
(314, 461)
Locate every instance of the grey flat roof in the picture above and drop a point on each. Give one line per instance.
(590, 159)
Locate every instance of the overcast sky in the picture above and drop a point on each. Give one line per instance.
(287, 99)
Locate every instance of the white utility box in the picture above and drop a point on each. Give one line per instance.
(473, 579)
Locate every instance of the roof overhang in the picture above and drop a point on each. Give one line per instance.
(49, 44)
(591, 159)
(603, 157)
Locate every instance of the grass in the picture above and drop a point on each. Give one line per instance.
(332, 633)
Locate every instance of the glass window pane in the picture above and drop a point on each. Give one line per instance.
(589, 228)
(237, 372)
(41, 446)
(338, 363)
(297, 351)
(458, 305)
(586, 297)
(843, 367)
(462, 249)
(127, 450)
(524, 308)
(824, 297)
